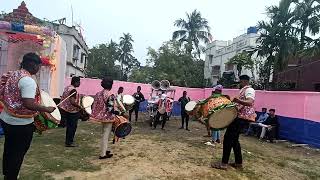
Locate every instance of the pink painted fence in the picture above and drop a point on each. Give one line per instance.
(303, 105)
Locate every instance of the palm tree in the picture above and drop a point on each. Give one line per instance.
(126, 50)
(278, 39)
(192, 31)
(113, 50)
(278, 36)
(308, 18)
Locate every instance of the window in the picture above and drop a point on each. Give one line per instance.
(83, 56)
(85, 62)
(210, 59)
(75, 55)
(215, 70)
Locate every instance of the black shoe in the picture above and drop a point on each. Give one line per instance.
(108, 152)
(181, 127)
(71, 145)
(188, 129)
(106, 156)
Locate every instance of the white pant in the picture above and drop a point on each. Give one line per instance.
(264, 129)
(106, 129)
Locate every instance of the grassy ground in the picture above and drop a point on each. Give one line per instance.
(157, 154)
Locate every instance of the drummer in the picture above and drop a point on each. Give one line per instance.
(138, 99)
(120, 106)
(21, 99)
(103, 111)
(70, 110)
(164, 108)
(246, 113)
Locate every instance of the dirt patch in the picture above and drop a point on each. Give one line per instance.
(170, 154)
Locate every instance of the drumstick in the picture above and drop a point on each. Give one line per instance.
(66, 98)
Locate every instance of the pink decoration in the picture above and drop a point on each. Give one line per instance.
(5, 25)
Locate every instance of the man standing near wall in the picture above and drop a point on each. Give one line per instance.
(184, 116)
(138, 99)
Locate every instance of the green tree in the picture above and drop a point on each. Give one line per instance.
(242, 60)
(171, 63)
(126, 59)
(278, 37)
(307, 18)
(193, 30)
(101, 61)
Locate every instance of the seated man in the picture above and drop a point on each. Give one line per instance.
(262, 118)
(270, 126)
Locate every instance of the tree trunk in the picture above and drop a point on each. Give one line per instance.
(252, 72)
(302, 38)
(239, 69)
(121, 73)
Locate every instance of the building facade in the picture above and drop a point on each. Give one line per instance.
(300, 75)
(218, 53)
(77, 50)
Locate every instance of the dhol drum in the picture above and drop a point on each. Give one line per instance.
(128, 102)
(86, 103)
(219, 112)
(191, 108)
(44, 120)
(43, 124)
(121, 127)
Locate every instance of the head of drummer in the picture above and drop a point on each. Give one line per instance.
(139, 89)
(107, 83)
(31, 62)
(244, 80)
(120, 90)
(184, 94)
(218, 89)
(75, 81)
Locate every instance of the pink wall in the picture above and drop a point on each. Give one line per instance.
(304, 105)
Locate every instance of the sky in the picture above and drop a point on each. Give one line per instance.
(151, 22)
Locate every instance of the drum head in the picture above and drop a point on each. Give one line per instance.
(88, 110)
(87, 101)
(190, 106)
(128, 99)
(222, 118)
(47, 101)
(123, 130)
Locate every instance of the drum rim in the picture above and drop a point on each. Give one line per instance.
(122, 124)
(49, 116)
(88, 109)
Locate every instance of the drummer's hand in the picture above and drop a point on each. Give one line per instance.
(50, 109)
(235, 100)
